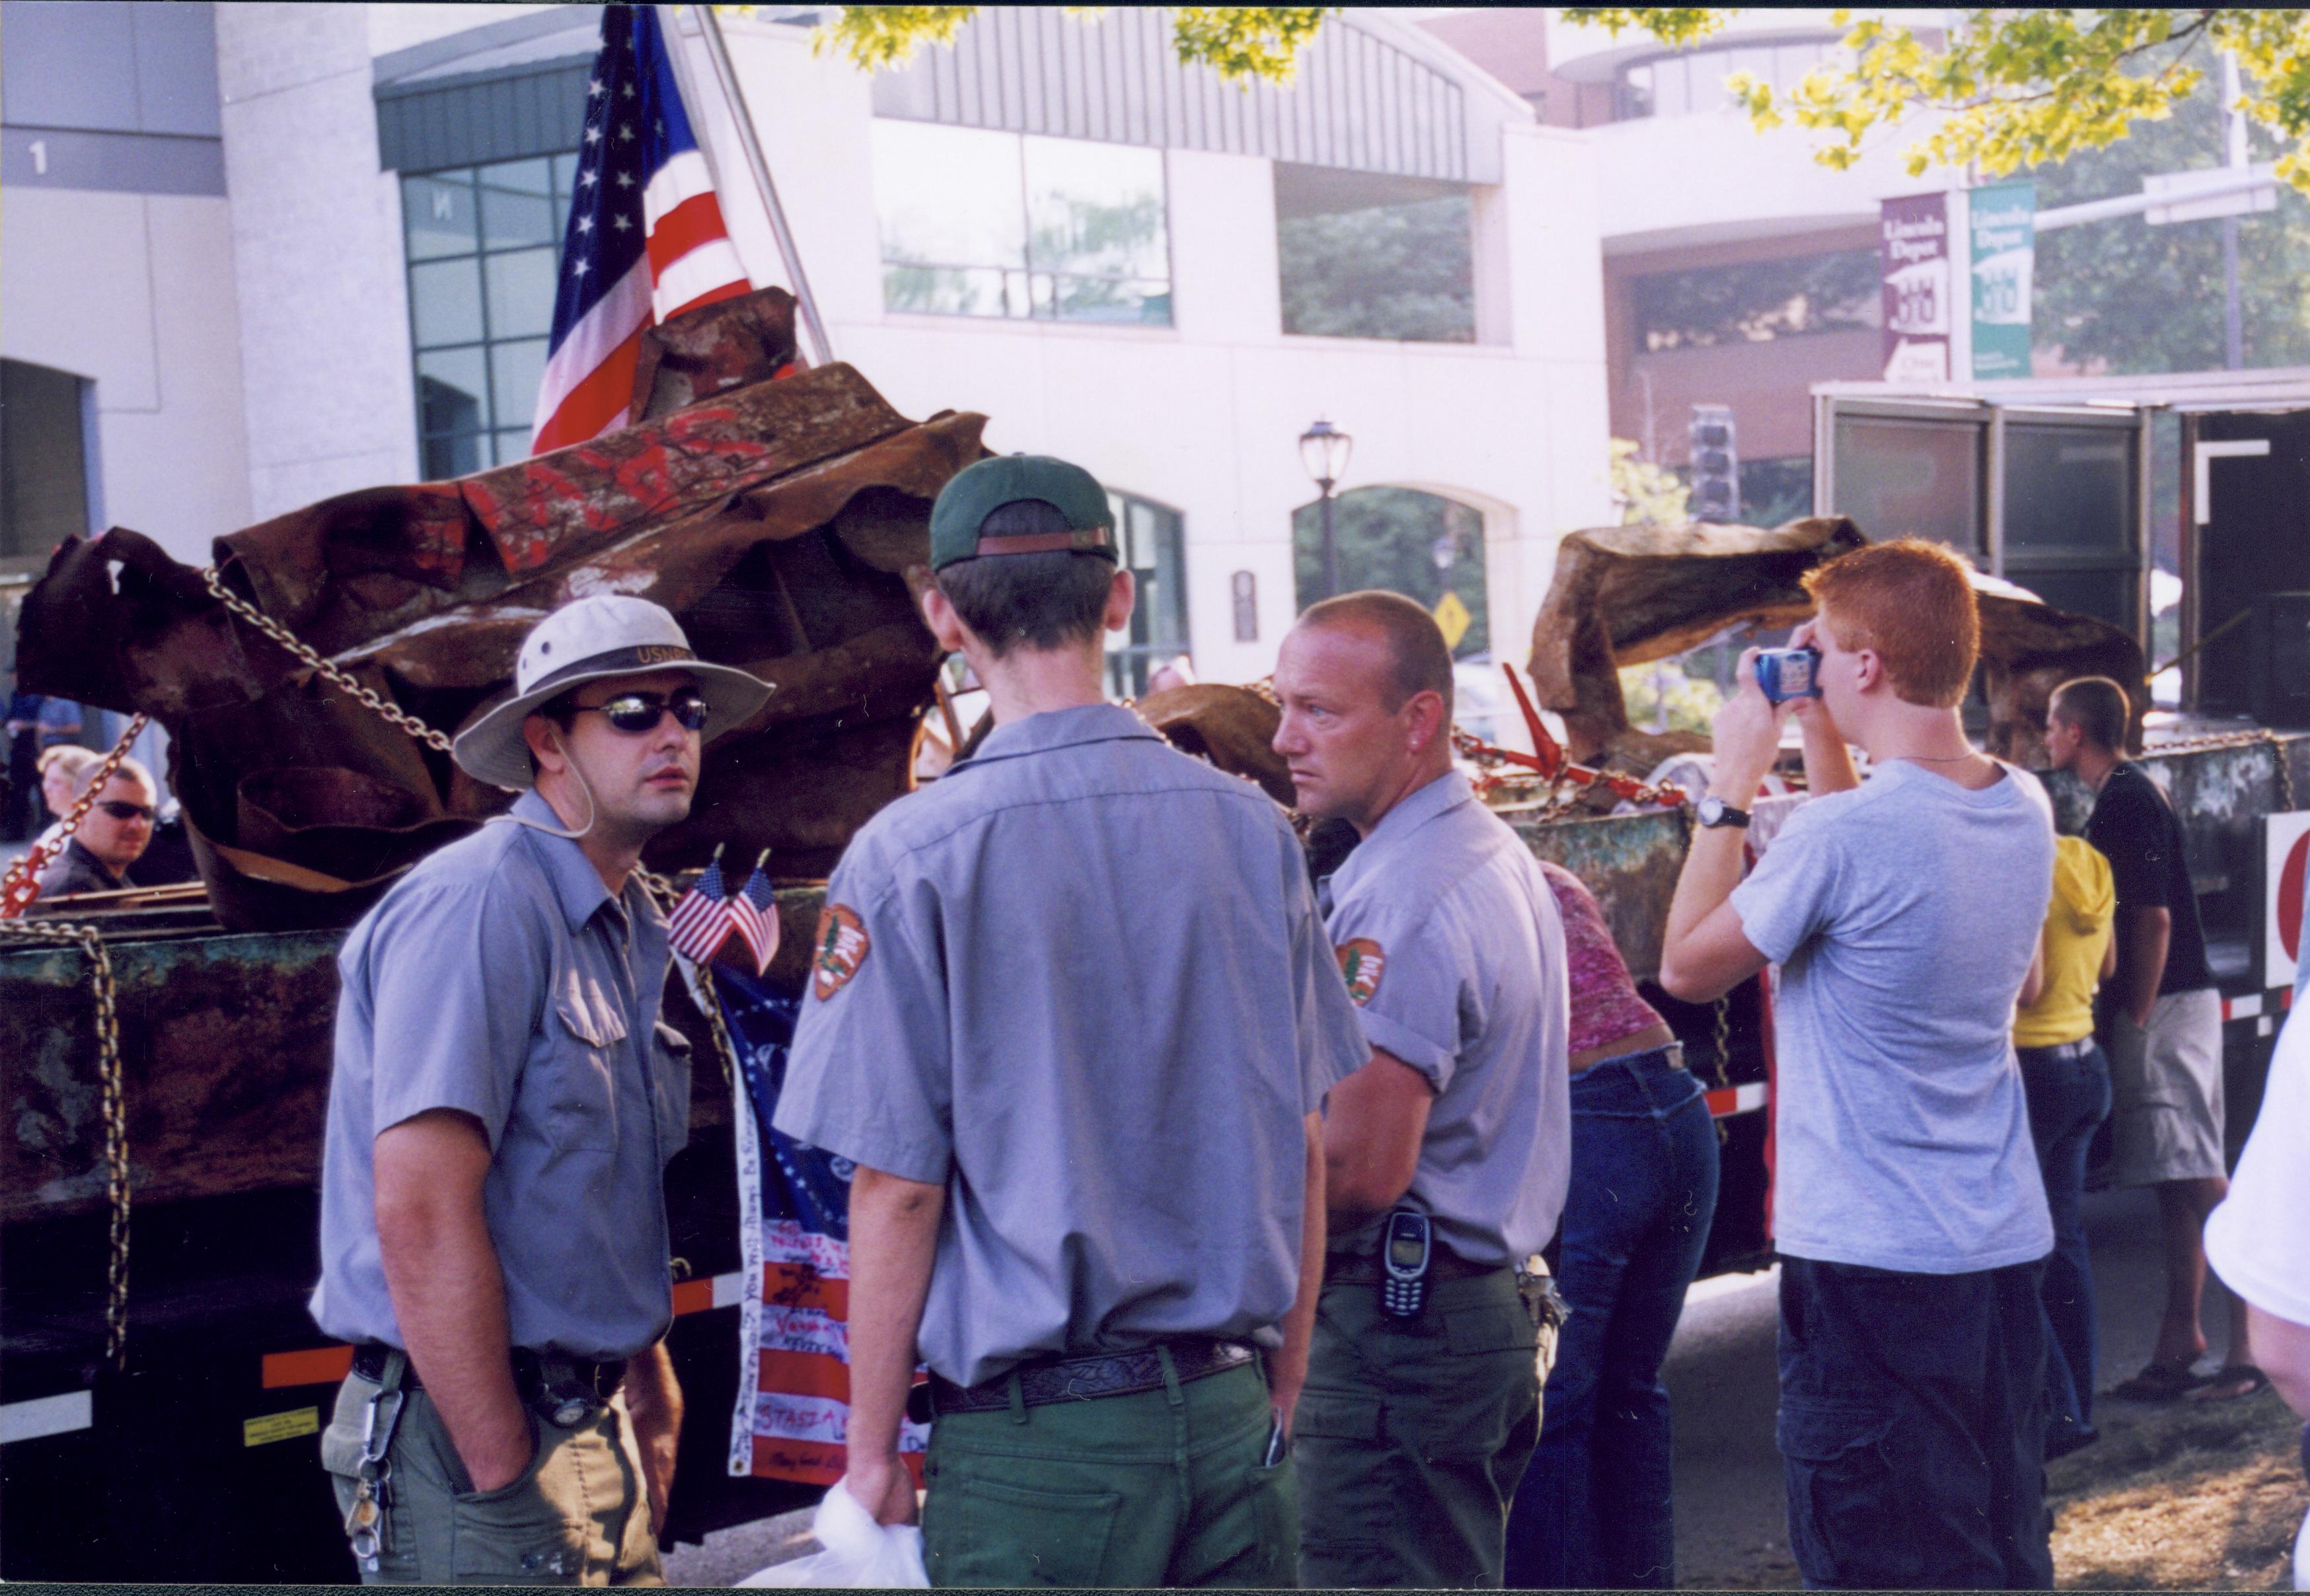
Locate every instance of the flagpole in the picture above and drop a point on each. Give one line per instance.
(727, 74)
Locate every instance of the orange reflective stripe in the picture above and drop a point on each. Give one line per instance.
(315, 1365)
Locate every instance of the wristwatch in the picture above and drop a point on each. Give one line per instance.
(1713, 810)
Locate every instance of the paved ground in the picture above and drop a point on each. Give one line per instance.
(2188, 1496)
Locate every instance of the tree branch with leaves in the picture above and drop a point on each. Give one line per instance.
(2018, 87)
(1243, 44)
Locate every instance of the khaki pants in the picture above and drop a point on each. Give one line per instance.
(578, 1516)
(1411, 1433)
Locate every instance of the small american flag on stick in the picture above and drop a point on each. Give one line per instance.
(753, 914)
(701, 923)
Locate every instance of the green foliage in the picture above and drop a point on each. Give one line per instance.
(1401, 272)
(2017, 86)
(1241, 43)
(2136, 297)
(1648, 494)
(1751, 301)
(1387, 538)
(1689, 703)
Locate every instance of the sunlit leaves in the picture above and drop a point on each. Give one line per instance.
(1241, 43)
(2016, 88)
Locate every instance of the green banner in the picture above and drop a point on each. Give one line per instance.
(2004, 251)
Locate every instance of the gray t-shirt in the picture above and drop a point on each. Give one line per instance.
(1449, 937)
(1080, 982)
(501, 979)
(1903, 914)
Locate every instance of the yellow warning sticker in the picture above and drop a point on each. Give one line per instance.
(281, 1426)
(1453, 618)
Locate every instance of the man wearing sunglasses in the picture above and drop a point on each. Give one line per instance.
(112, 836)
(493, 1228)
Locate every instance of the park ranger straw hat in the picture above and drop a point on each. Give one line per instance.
(607, 634)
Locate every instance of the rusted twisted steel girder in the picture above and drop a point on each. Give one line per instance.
(1627, 595)
(783, 520)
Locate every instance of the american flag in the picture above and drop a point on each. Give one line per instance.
(645, 242)
(754, 913)
(701, 923)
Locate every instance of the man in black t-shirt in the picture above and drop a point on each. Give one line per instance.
(2161, 1026)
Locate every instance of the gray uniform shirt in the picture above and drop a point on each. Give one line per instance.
(1080, 982)
(501, 978)
(1453, 952)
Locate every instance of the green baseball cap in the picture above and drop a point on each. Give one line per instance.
(977, 492)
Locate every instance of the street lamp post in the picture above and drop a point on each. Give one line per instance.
(1323, 450)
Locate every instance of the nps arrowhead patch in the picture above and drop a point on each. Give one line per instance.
(1361, 962)
(842, 946)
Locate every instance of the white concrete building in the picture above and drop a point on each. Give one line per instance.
(1115, 258)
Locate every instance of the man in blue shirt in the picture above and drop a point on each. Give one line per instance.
(493, 1224)
(1908, 1210)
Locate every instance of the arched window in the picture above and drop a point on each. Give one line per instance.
(44, 440)
(1153, 540)
(1421, 545)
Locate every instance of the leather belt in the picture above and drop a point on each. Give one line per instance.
(1363, 1269)
(2063, 1051)
(1092, 1376)
(548, 1382)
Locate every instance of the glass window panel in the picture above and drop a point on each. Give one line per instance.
(949, 196)
(453, 457)
(1793, 63)
(513, 445)
(1754, 59)
(1096, 299)
(519, 176)
(1672, 95)
(2105, 594)
(1095, 210)
(452, 392)
(1403, 270)
(511, 220)
(944, 291)
(437, 214)
(1910, 479)
(1636, 92)
(521, 293)
(516, 371)
(445, 302)
(1758, 300)
(565, 175)
(2067, 488)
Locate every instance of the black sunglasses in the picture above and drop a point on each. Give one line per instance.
(120, 809)
(636, 713)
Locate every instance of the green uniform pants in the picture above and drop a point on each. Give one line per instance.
(579, 1515)
(1161, 1488)
(1413, 1433)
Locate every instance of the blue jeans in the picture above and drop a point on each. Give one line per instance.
(1911, 1428)
(1594, 1509)
(2068, 1097)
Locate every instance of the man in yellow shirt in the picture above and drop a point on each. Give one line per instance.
(2067, 1080)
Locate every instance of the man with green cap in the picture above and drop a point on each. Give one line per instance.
(1073, 1016)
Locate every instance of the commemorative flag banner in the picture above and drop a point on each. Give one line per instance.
(646, 239)
(792, 1407)
(754, 913)
(701, 923)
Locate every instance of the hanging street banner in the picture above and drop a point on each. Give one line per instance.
(1916, 254)
(2003, 220)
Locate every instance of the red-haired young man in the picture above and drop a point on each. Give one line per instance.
(1909, 1211)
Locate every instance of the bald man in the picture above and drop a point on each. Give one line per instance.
(1446, 1154)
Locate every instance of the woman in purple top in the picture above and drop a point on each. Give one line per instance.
(1593, 1510)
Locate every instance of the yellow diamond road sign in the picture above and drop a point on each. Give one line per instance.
(1452, 616)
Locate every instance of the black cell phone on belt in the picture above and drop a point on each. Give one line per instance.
(1404, 1250)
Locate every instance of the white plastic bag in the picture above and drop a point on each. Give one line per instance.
(856, 1551)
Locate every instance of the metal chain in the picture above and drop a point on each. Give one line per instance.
(335, 676)
(115, 1111)
(22, 885)
(1723, 1039)
(661, 888)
